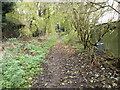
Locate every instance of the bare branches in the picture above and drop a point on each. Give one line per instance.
(85, 18)
(113, 9)
(117, 1)
(102, 5)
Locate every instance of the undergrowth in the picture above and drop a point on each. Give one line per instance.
(73, 40)
(23, 62)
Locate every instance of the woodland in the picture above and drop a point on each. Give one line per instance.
(59, 45)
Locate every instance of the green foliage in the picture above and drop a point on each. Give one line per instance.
(7, 7)
(71, 36)
(23, 63)
(63, 33)
(10, 25)
(111, 42)
(72, 39)
(42, 18)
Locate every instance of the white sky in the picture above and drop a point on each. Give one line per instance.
(110, 15)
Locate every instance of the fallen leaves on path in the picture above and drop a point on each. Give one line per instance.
(67, 68)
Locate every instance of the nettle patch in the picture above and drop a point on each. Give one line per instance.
(22, 61)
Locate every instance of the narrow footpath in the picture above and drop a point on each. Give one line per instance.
(67, 68)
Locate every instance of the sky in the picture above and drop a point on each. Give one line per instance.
(112, 15)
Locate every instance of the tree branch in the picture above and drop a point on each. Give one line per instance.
(103, 6)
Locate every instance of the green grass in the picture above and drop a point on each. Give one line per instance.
(20, 68)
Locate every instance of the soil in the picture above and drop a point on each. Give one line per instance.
(68, 68)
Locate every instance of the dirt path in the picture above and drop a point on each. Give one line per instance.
(67, 68)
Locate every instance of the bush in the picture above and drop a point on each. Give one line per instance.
(72, 36)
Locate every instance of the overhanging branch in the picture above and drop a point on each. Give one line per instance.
(103, 6)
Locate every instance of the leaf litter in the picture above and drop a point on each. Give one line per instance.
(68, 68)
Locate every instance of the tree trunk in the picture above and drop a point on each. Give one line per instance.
(85, 45)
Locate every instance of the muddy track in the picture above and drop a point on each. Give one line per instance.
(67, 68)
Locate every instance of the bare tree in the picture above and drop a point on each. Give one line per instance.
(85, 19)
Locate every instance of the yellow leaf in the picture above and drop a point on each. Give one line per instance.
(46, 84)
(63, 83)
(65, 77)
(75, 72)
